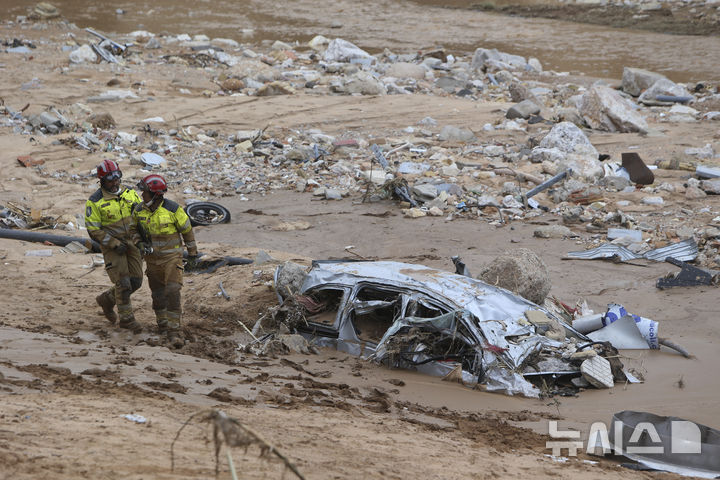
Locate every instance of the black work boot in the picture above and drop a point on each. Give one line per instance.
(127, 319)
(132, 325)
(175, 339)
(162, 321)
(107, 303)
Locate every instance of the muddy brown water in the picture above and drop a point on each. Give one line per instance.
(406, 26)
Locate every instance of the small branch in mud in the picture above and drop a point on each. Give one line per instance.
(232, 433)
(223, 292)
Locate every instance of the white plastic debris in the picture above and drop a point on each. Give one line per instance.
(654, 200)
(588, 323)
(126, 138)
(135, 418)
(39, 253)
(117, 95)
(150, 158)
(624, 335)
(635, 235)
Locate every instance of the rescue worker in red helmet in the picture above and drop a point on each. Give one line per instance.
(160, 228)
(108, 219)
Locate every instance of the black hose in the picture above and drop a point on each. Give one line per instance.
(209, 266)
(60, 240)
(92, 245)
(582, 347)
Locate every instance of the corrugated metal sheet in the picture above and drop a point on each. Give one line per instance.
(686, 250)
(607, 250)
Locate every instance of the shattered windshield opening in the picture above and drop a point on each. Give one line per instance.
(374, 311)
(422, 342)
(326, 305)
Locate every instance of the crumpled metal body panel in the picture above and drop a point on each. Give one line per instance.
(686, 250)
(494, 317)
(497, 310)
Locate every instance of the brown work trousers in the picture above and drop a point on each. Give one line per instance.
(165, 278)
(125, 272)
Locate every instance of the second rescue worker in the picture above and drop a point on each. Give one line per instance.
(164, 225)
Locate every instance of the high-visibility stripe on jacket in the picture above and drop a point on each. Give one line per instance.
(166, 225)
(108, 217)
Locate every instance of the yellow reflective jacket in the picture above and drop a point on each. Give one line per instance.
(108, 217)
(165, 225)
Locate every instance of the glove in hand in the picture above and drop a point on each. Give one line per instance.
(191, 262)
(144, 248)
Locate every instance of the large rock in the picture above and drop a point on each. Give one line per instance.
(552, 231)
(524, 109)
(275, 88)
(450, 84)
(360, 83)
(455, 134)
(494, 60)
(319, 43)
(605, 109)
(521, 271)
(84, 54)
(290, 279)
(406, 70)
(340, 50)
(519, 92)
(663, 87)
(637, 80)
(566, 146)
(682, 113)
(44, 11)
(425, 191)
(711, 186)
(570, 114)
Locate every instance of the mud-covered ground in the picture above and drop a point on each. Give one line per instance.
(675, 18)
(68, 378)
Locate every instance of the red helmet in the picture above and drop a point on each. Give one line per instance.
(153, 183)
(108, 170)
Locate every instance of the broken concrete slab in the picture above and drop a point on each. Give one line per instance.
(636, 80)
(605, 109)
(566, 146)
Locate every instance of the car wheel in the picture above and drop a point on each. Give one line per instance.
(207, 213)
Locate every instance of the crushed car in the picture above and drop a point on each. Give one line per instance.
(440, 323)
